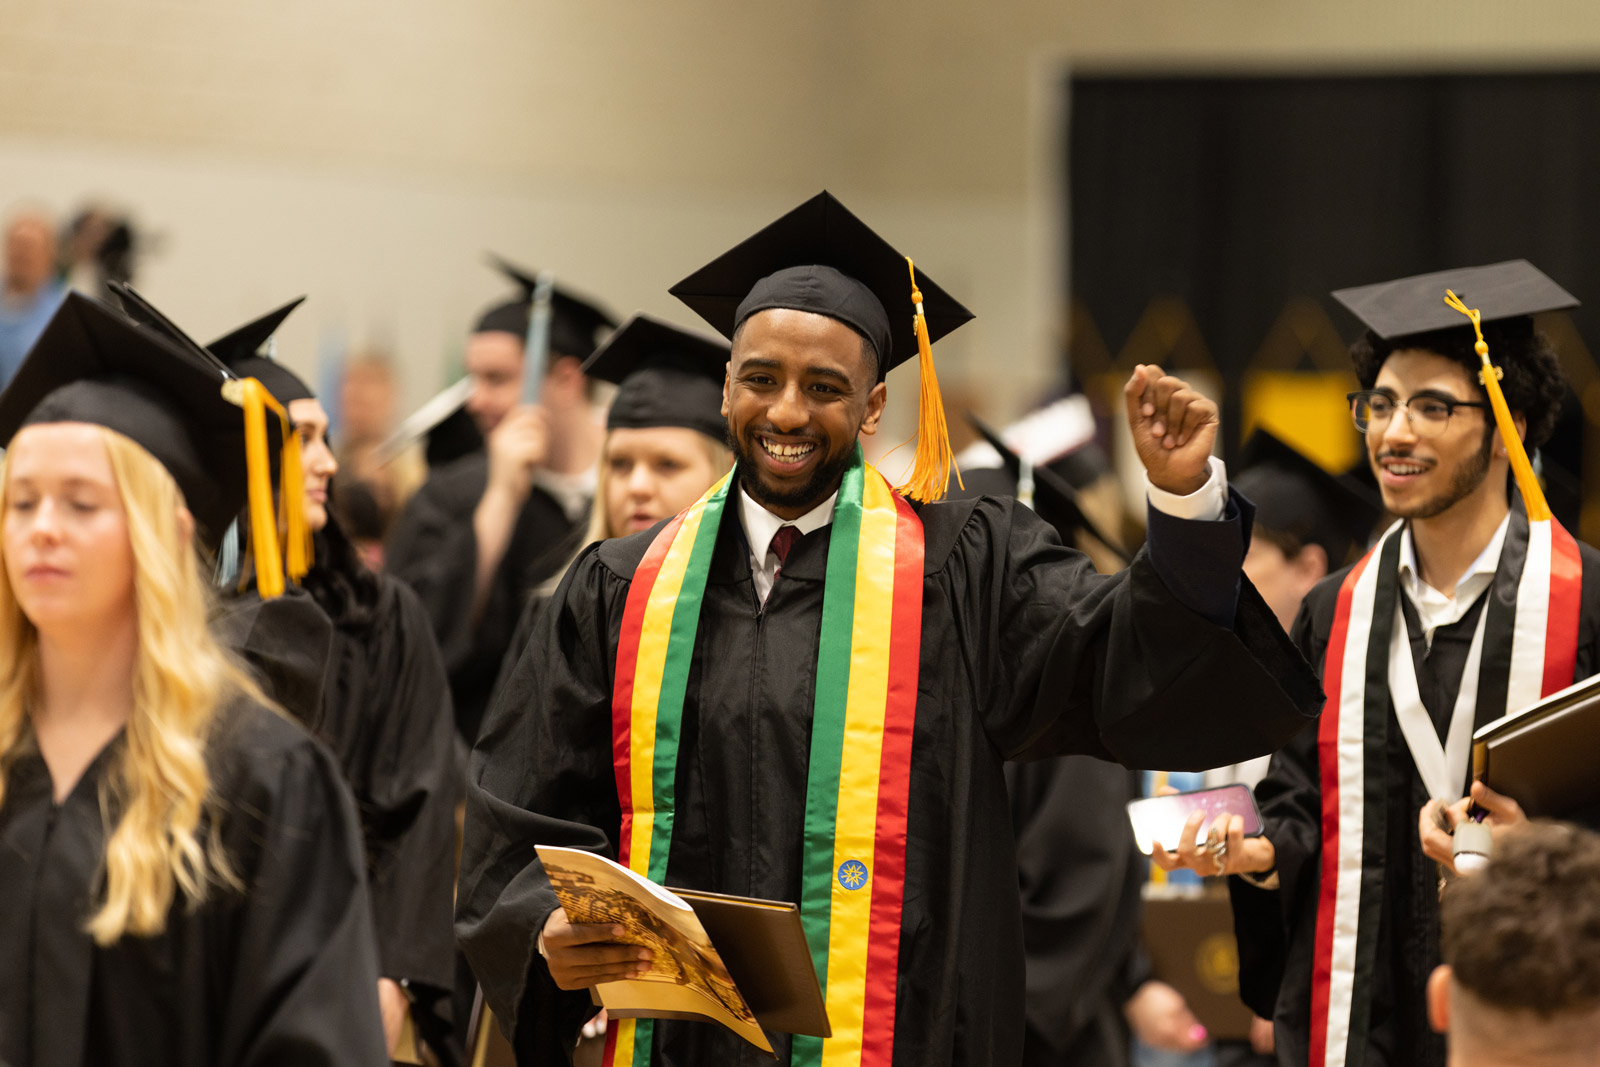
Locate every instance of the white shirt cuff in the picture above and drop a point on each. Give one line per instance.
(1206, 504)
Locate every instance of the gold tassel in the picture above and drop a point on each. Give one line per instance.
(1489, 376)
(930, 470)
(265, 532)
(292, 501)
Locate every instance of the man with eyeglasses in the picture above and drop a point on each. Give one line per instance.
(1459, 615)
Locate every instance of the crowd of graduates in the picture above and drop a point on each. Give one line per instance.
(282, 717)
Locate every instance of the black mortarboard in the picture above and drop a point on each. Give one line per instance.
(1416, 304)
(239, 350)
(666, 376)
(93, 365)
(1055, 500)
(821, 258)
(1295, 496)
(576, 322)
(273, 440)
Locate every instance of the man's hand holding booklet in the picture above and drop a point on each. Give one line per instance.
(737, 961)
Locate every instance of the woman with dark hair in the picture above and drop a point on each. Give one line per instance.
(384, 710)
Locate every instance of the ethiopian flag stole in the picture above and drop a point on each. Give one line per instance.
(858, 783)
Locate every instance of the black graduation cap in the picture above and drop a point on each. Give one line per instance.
(666, 376)
(93, 365)
(575, 321)
(1054, 498)
(1295, 496)
(1416, 304)
(821, 258)
(239, 350)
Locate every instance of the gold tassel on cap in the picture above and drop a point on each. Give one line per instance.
(930, 470)
(270, 566)
(1489, 376)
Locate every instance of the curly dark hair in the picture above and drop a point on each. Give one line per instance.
(1524, 933)
(1534, 383)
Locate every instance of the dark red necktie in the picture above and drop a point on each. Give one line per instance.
(782, 542)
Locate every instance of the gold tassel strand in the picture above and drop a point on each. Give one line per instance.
(930, 470)
(1489, 376)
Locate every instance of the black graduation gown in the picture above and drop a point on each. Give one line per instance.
(434, 550)
(1080, 874)
(1025, 651)
(281, 973)
(386, 716)
(286, 642)
(1276, 928)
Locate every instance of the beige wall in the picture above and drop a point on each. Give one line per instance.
(366, 152)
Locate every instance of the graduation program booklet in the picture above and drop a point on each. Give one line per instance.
(1543, 756)
(765, 950)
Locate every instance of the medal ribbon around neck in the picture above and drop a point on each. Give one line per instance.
(858, 783)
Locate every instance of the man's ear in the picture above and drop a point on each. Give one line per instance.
(565, 372)
(1439, 999)
(1311, 564)
(727, 381)
(875, 402)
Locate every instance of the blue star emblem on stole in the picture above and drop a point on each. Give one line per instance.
(852, 874)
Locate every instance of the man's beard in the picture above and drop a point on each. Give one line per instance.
(824, 478)
(1466, 481)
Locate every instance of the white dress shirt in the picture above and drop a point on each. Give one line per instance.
(1208, 503)
(572, 492)
(1434, 609)
(760, 525)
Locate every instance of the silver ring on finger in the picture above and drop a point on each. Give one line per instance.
(1219, 852)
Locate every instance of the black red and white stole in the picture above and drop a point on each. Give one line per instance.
(1526, 648)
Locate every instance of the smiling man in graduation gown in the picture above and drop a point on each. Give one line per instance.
(1463, 611)
(822, 715)
(484, 530)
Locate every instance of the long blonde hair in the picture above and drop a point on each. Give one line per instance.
(181, 678)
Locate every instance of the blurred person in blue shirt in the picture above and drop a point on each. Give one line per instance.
(30, 290)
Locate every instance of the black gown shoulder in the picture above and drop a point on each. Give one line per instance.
(277, 965)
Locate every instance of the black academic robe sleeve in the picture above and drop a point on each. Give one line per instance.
(1290, 800)
(1116, 665)
(305, 977)
(434, 549)
(504, 897)
(388, 721)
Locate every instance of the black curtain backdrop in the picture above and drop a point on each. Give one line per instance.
(1238, 195)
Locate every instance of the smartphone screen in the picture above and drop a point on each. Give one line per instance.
(1162, 818)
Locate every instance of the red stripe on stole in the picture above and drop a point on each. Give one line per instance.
(1328, 766)
(894, 787)
(1561, 623)
(644, 579)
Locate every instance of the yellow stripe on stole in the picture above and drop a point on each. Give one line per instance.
(654, 633)
(856, 822)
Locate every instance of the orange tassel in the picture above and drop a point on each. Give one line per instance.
(930, 470)
(1521, 466)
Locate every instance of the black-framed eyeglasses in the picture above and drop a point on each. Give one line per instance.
(1428, 415)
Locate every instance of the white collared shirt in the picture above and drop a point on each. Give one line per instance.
(760, 525)
(1434, 609)
(573, 492)
(1208, 503)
